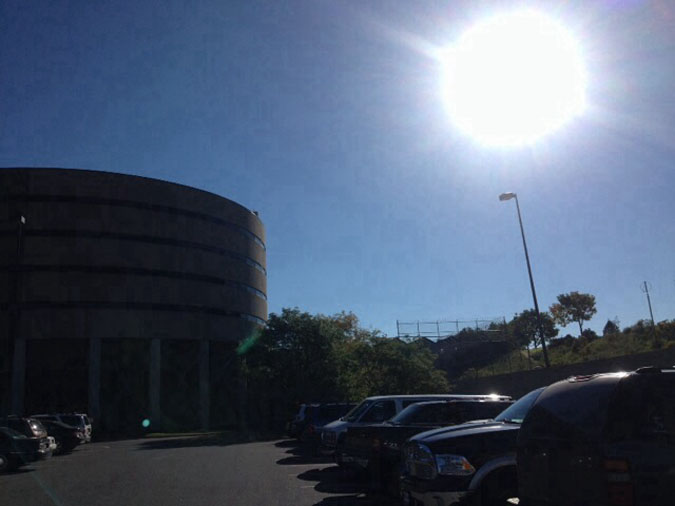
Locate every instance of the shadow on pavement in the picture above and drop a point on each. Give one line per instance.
(334, 480)
(356, 500)
(288, 443)
(302, 459)
(187, 442)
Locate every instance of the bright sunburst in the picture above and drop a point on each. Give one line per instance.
(514, 78)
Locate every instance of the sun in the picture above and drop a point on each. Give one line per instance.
(514, 78)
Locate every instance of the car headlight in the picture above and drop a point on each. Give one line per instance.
(454, 465)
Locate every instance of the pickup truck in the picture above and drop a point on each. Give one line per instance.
(368, 411)
(377, 448)
(474, 462)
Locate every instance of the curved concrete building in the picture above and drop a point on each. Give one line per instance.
(125, 296)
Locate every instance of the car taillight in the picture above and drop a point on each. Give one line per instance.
(619, 485)
(310, 429)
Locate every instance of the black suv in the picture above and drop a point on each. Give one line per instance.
(378, 447)
(31, 428)
(605, 439)
(474, 461)
(16, 449)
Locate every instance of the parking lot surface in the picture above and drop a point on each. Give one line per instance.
(184, 471)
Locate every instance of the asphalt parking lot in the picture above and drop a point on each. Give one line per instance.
(184, 471)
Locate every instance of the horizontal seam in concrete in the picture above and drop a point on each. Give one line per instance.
(141, 239)
(137, 271)
(139, 205)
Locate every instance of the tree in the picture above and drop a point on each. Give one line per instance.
(300, 357)
(573, 307)
(524, 327)
(610, 328)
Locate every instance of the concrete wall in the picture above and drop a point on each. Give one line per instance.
(112, 258)
(519, 383)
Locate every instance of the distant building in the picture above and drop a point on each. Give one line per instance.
(125, 297)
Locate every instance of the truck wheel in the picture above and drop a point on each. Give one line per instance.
(498, 487)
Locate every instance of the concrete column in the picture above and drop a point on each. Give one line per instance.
(155, 382)
(95, 377)
(18, 376)
(204, 380)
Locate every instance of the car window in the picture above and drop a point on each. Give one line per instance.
(643, 408)
(423, 413)
(518, 410)
(72, 420)
(379, 412)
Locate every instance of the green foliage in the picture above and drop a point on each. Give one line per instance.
(610, 328)
(569, 350)
(573, 307)
(524, 327)
(301, 357)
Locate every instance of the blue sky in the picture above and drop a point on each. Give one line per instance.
(327, 118)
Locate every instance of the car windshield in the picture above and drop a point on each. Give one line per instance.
(357, 411)
(518, 410)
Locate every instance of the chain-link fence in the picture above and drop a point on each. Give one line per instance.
(440, 329)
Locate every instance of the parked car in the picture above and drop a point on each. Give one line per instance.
(31, 428)
(79, 420)
(316, 417)
(322, 412)
(605, 439)
(295, 426)
(377, 448)
(369, 411)
(16, 449)
(475, 461)
(67, 437)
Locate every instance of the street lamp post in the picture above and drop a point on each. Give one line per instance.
(509, 196)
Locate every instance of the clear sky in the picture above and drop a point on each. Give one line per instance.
(327, 118)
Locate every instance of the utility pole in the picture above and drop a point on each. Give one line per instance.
(645, 289)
